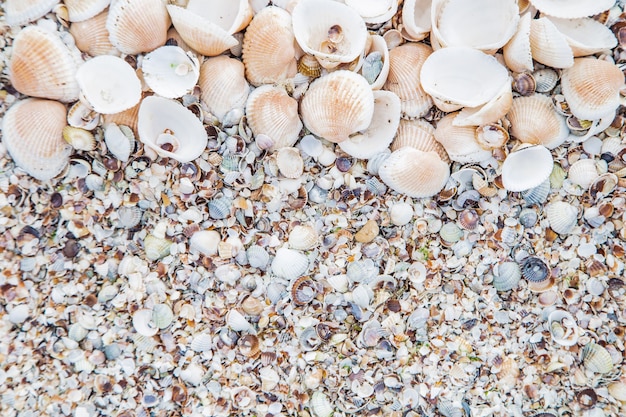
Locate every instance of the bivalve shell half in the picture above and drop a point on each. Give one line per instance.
(43, 66)
(548, 45)
(232, 16)
(573, 9)
(414, 173)
(170, 72)
(617, 390)
(331, 31)
(460, 141)
(563, 328)
(418, 134)
(269, 55)
(290, 162)
(562, 217)
(490, 112)
(535, 121)
(375, 64)
(583, 172)
(80, 10)
(596, 358)
(374, 11)
(289, 264)
(20, 12)
(517, 53)
(92, 37)
(526, 168)
(143, 322)
(586, 36)
(33, 134)
(223, 85)
(337, 105)
(137, 25)
(506, 276)
(416, 22)
(170, 129)
(119, 144)
(303, 237)
(591, 87)
(205, 241)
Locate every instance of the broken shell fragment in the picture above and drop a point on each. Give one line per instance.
(92, 37)
(563, 328)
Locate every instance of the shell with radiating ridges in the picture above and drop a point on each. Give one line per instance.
(272, 112)
(583, 172)
(460, 141)
(289, 263)
(517, 53)
(92, 37)
(43, 66)
(534, 120)
(20, 12)
(418, 134)
(596, 358)
(526, 168)
(506, 276)
(170, 72)
(289, 162)
(80, 10)
(414, 173)
(137, 25)
(548, 45)
(586, 36)
(573, 8)
(32, 133)
(591, 87)
(337, 105)
(268, 47)
(303, 237)
(562, 216)
(223, 85)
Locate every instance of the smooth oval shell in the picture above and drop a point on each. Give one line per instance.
(289, 162)
(20, 12)
(562, 217)
(617, 390)
(289, 264)
(535, 121)
(118, 143)
(143, 323)
(507, 276)
(374, 11)
(586, 36)
(223, 85)
(596, 358)
(137, 25)
(80, 10)
(563, 328)
(238, 322)
(460, 141)
(205, 242)
(573, 8)
(170, 72)
(32, 132)
(416, 22)
(526, 168)
(548, 45)
(92, 37)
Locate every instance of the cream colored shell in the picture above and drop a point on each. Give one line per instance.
(20, 12)
(419, 134)
(570, 9)
(460, 141)
(526, 168)
(416, 23)
(137, 25)
(548, 45)
(535, 121)
(223, 85)
(80, 10)
(517, 52)
(92, 37)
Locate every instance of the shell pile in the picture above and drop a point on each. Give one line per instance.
(312, 207)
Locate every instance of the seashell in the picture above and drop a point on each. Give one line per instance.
(362, 296)
(416, 22)
(162, 315)
(108, 84)
(331, 31)
(289, 162)
(617, 390)
(401, 213)
(205, 241)
(337, 105)
(468, 219)
(223, 85)
(118, 142)
(414, 173)
(574, 9)
(170, 129)
(371, 333)
(92, 37)
(460, 142)
(303, 291)
(289, 264)
(462, 76)
(490, 112)
(309, 66)
(405, 64)
(603, 185)
(252, 306)
(450, 233)
(547, 298)
(137, 25)
(524, 84)
(170, 72)
(381, 131)
(220, 207)
(80, 139)
(586, 36)
(41, 152)
(517, 52)
(534, 120)
(418, 134)
(545, 79)
(374, 11)
(456, 23)
(491, 136)
(563, 328)
(375, 66)
(303, 237)
(535, 269)
(129, 216)
(526, 168)
(76, 332)
(80, 115)
(232, 17)
(20, 12)
(583, 172)
(257, 257)
(591, 87)
(192, 374)
(548, 45)
(156, 247)
(362, 271)
(271, 111)
(448, 409)
(43, 66)
(201, 342)
(506, 276)
(249, 345)
(80, 10)
(269, 56)
(237, 322)
(562, 216)
(143, 323)
(321, 405)
(309, 339)
(528, 217)
(596, 358)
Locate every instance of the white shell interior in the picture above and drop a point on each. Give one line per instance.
(170, 72)
(526, 168)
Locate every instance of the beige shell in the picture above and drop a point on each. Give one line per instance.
(416, 23)
(137, 25)
(223, 85)
(534, 120)
(418, 134)
(548, 45)
(272, 112)
(268, 47)
(80, 10)
(414, 173)
(92, 37)
(289, 162)
(303, 237)
(490, 112)
(32, 133)
(583, 172)
(572, 8)
(232, 16)
(126, 118)
(591, 87)
(337, 105)
(460, 141)
(405, 64)
(20, 12)
(526, 168)
(517, 53)
(586, 36)
(43, 66)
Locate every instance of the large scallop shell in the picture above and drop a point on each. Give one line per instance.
(92, 37)
(43, 66)
(463, 76)
(586, 36)
(80, 10)
(517, 52)
(460, 141)
(591, 87)
(272, 112)
(223, 85)
(137, 25)
(534, 120)
(526, 168)
(571, 9)
(268, 47)
(405, 64)
(331, 31)
(414, 173)
(170, 72)
(562, 216)
(109, 84)
(32, 133)
(170, 129)
(418, 134)
(548, 45)
(337, 105)
(20, 12)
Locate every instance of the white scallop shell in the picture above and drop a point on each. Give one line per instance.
(137, 25)
(303, 237)
(170, 72)
(374, 11)
(583, 172)
(20, 12)
(586, 36)
(205, 242)
(548, 45)
(517, 52)
(321, 405)
(562, 216)
(506, 276)
(237, 321)
(143, 322)
(571, 9)
(201, 342)
(401, 213)
(80, 10)
(163, 121)
(109, 84)
(289, 162)
(563, 328)
(257, 257)
(526, 168)
(223, 85)
(419, 134)
(289, 264)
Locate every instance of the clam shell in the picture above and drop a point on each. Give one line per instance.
(43, 66)
(491, 136)
(80, 139)
(232, 16)
(416, 22)
(170, 72)
(535, 121)
(586, 36)
(545, 80)
(617, 390)
(137, 25)
(40, 151)
(162, 315)
(418, 134)
(269, 55)
(524, 83)
(249, 345)
(562, 216)
(583, 172)
(257, 257)
(118, 144)
(170, 129)
(574, 9)
(535, 269)
(129, 216)
(337, 105)
(80, 10)
(463, 76)
(405, 64)
(80, 115)
(109, 84)
(526, 168)
(517, 52)
(414, 173)
(563, 328)
(374, 11)
(143, 323)
(490, 112)
(331, 31)
(548, 45)
(303, 237)
(528, 217)
(460, 141)
(290, 162)
(223, 85)
(201, 342)
(92, 37)
(20, 12)
(289, 264)
(238, 322)
(320, 405)
(596, 358)
(205, 242)
(303, 291)
(506, 276)
(156, 247)
(271, 111)
(450, 233)
(375, 64)
(220, 207)
(401, 213)
(591, 87)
